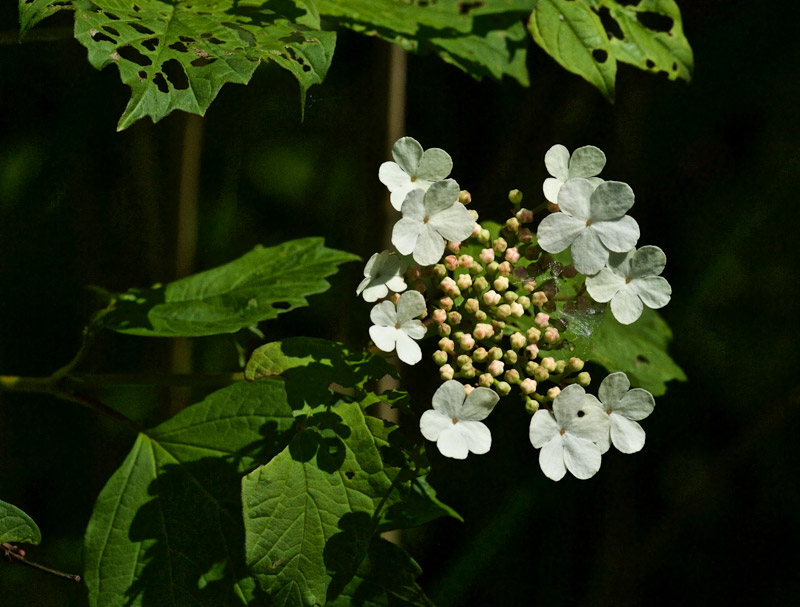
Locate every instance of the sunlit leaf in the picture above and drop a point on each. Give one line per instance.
(16, 526)
(258, 286)
(32, 12)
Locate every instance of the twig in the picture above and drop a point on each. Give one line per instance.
(14, 553)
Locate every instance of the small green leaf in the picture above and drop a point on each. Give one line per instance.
(32, 12)
(179, 54)
(386, 578)
(310, 513)
(258, 286)
(16, 526)
(574, 36)
(639, 350)
(166, 529)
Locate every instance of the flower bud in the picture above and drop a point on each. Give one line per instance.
(529, 286)
(560, 366)
(531, 405)
(533, 334)
(500, 284)
(510, 297)
(553, 207)
(575, 364)
(487, 255)
(515, 197)
(510, 357)
(484, 237)
(446, 372)
(456, 336)
(480, 284)
(419, 285)
(464, 197)
(512, 255)
(480, 355)
(539, 299)
(439, 271)
(541, 320)
(444, 329)
(491, 267)
(451, 262)
(467, 342)
(476, 230)
(551, 335)
(532, 350)
(517, 310)
(496, 368)
(447, 345)
(414, 272)
(454, 247)
(524, 215)
(503, 311)
(502, 388)
(525, 235)
(468, 389)
(394, 297)
(483, 331)
(491, 298)
(486, 380)
(472, 305)
(465, 261)
(511, 376)
(528, 385)
(499, 325)
(540, 374)
(464, 359)
(517, 340)
(475, 268)
(504, 269)
(480, 316)
(464, 282)
(446, 303)
(584, 379)
(549, 363)
(512, 225)
(474, 214)
(439, 316)
(531, 366)
(499, 245)
(440, 357)
(553, 392)
(454, 318)
(495, 353)
(468, 371)
(524, 301)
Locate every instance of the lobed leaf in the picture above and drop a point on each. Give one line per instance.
(32, 12)
(258, 286)
(16, 526)
(166, 529)
(178, 55)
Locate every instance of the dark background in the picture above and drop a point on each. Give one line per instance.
(700, 516)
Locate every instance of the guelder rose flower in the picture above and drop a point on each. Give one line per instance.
(413, 169)
(428, 219)
(455, 422)
(630, 280)
(624, 409)
(383, 272)
(397, 327)
(585, 162)
(592, 220)
(567, 436)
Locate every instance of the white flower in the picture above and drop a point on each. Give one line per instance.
(586, 162)
(455, 420)
(413, 169)
(624, 409)
(567, 436)
(428, 219)
(630, 280)
(592, 220)
(383, 271)
(397, 327)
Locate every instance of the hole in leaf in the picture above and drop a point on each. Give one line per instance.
(674, 67)
(150, 44)
(136, 8)
(350, 474)
(655, 22)
(142, 29)
(465, 7)
(178, 46)
(650, 64)
(306, 67)
(161, 83)
(642, 359)
(100, 37)
(203, 61)
(282, 305)
(111, 16)
(186, 39)
(131, 54)
(142, 74)
(111, 30)
(610, 24)
(174, 71)
(599, 55)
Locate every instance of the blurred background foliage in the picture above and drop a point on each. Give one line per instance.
(700, 516)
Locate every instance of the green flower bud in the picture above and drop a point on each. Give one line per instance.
(533, 334)
(491, 267)
(540, 374)
(446, 372)
(539, 299)
(472, 305)
(531, 405)
(486, 380)
(500, 245)
(440, 357)
(500, 284)
(502, 388)
(575, 364)
(584, 379)
(503, 311)
(480, 284)
(480, 316)
(454, 318)
(525, 302)
(512, 376)
(560, 366)
(530, 367)
(510, 297)
(463, 360)
(475, 268)
(468, 371)
(480, 355)
(444, 330)
(517, 310)
(495, 353)
(484, 237)
(512, 225)
(515, 197)
(510, 357)
(439, 271)
(464, 197)
(549, 363)
(517, 340)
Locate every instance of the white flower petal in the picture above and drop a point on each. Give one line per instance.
(414, 329)
(393, 176)
(414, 205)
(410, 305)
(611, 200)
(435, 165)
(543, 428)
(441, 196)
(604, 444)
(626, 306)
(619, 235)
(574, 198)
(429, 247)
(399, 196)
(384, 314)
(636, 404)
(476, 436)
(612, 388)
(648, 261)
(604, 285)
(452, 444)
(407, 152)
(374, 292)
(432, 424)
(405, 234)
(654, 291)
(407, 349)
(397, 284)
(590, 421)
(582, 457)
(551, 459)
(557, 231)
(551, 187)
(586, 161)
(455, 223)
(588, 253)
(449, 397)
(385, 337)
(363, 285)
(627, 435)
(557, 162)
(478, 404)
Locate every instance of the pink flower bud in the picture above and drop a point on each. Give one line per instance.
(447, 345)
(465, 261)
(539, 299)
(446, 372)
(551, 335)
(553, 392)
(541, 320)
(446, 303)
(500, 284)
(483, 331)
(451, 262)
(491, 298)
(480, 355)
(525, 235)
(467, 342)
(472, 305)
(499, 245)
(468, 388)
(511, 376)
(504, 269)
(394, 297)
(486, 380)
(454, 247)
(476, 231)
(439, 316)
(413, 272)
(517, 310)
(549, 363)
(575, 364)
(532, 350)
(512, 255)
(487, 255)
(525, 215)
(496, 368)
(517, 340)
(464, 282)
(533, 334)
(528, 385)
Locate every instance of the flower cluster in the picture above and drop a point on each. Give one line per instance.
(505, 309)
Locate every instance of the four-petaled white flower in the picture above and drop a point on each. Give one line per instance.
(624, 409)
(630, 280)
(593, 221)
(455, 422)
(396, 327)
(568, 435)
(383, 271)
(586, 162)
(428, 219)
(413, 169)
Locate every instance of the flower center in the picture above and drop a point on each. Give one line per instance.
(455, 420)
(588, 222)
(627, 280)
(426, 220)
(562, 431)
(413, 178)
(397, 325)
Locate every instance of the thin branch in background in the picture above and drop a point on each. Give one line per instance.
(15, 553)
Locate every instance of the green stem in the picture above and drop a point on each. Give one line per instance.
(48, 34)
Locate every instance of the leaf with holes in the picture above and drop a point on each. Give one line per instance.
(32, 12)
(177, 55)
(16, 526)
(310, 513)
(258, 286)
(572, 33)
(166, 529)
(484, 38)
(652, 38)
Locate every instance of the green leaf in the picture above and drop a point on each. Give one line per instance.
(483, 39)
(16, 526)
(178, 55)
(639, 350)
(387, 577)
(310, 513)
(417, 506)
(572, 33)
(32, 12)
(166, 529)
(258, 286)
